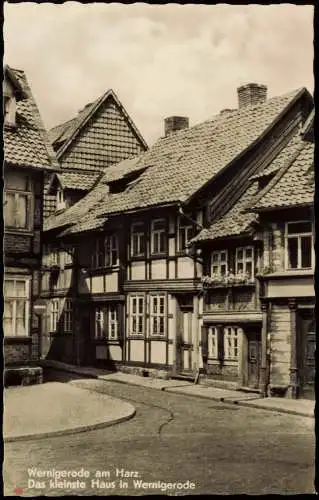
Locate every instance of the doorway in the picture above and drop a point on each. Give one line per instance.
(307, 350)
(254, 359)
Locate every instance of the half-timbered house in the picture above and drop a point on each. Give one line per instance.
(137, 284)
(28, 156)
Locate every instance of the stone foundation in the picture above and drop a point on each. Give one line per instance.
(26, 375)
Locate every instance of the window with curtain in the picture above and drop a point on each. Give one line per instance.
(16, 306)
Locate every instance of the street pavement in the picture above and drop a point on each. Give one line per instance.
(55, 408)
(219, 448)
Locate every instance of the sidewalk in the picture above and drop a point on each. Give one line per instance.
(55, 408)
(302, 407)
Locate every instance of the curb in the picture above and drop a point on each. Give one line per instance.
(242, 403)
(76, 430)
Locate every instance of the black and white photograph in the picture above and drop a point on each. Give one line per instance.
(159, 332)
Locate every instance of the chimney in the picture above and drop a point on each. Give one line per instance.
(86, 106)
(174, 123)
(251, 94)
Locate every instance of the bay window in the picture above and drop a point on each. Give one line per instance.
(137, 240)
(245, 261)
(157, 314)
(137, 315)
(219, 262)
(158, 240)
(299, 245)
(16, 306)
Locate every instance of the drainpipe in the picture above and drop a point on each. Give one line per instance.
(195, 325)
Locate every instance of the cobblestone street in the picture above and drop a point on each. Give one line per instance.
(173, 438)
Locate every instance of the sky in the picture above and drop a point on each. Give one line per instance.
(161, 60)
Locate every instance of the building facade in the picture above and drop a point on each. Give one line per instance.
(28, 156)
(158, 275)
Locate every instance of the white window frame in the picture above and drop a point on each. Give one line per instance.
(299, 253)
(68, 316)
(158, 315)
(156, 235)
(213, 342)
(105, 249)
(14, 299)
(231, 343)
(29, 209)
(141, 236)
(113, 322)
(245, 260)
(137, 317)
(106, 317)
(54, 314)
(220, 261)
(111, 249)
(99, 333)
(187, 227)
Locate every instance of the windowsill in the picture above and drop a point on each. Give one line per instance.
(12, 230)
(162, 255)
(106, 339)
(103, 269)
(136, 336)
(138, 257)
(17, 339)
(229, 285)
(158, 337)
(289, 273)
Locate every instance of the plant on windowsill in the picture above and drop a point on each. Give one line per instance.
(228, 279)
(263, 272)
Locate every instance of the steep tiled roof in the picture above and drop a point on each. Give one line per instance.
(78, 180)
(182, 163)
(235, 222)
(281, 159)
(294, 183)
(27, 144)
(66, 132)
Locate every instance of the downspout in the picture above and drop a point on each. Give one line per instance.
(196, 363)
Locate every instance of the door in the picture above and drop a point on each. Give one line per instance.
(308, 350)
(186, 345)
(254, 360)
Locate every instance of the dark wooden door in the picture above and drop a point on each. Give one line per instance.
(308, 350)
(254, 360)
(186, 340)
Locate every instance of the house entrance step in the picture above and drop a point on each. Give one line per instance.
(249, 389)
(190, 377)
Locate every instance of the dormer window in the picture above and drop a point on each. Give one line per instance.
(9, 109)
(60, 200)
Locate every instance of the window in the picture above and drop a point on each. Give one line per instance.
(157, 314)
(185, 233)
(106, 322)
(16, 306)
(99, 323)
(106, 253)
(60, 200)
(213, 342)
(299, 245)
(137, 240)
(67, 317)
(158, 240)
(231, 343)
(245, 261)
(137, 311)
(17, 210)
(219, 262)
(10, 107)
(111, 250)
(54, 315)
